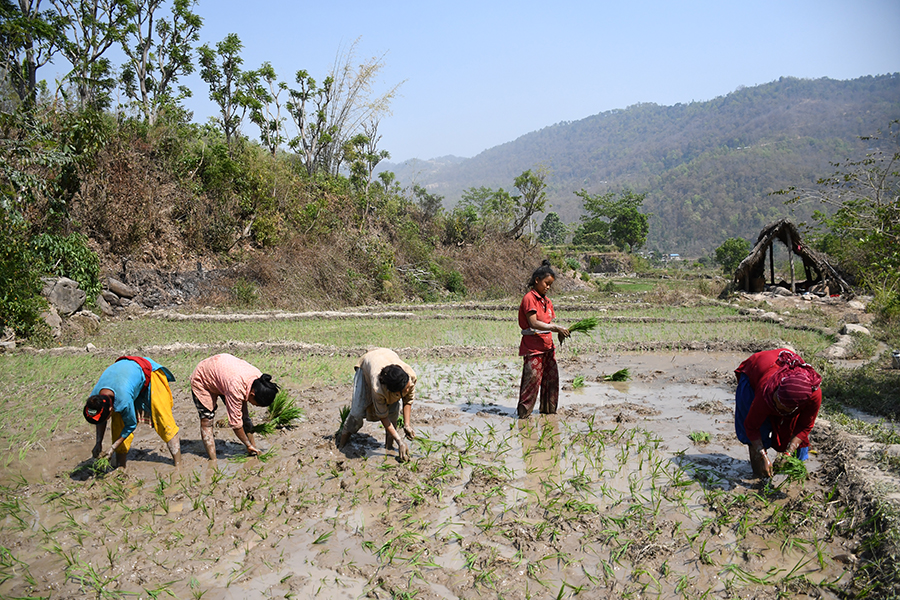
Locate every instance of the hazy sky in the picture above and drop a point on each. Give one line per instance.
(478, 74)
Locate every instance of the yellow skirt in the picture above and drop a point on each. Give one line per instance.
(161, 405)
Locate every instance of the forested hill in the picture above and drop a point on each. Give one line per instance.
(707, 167)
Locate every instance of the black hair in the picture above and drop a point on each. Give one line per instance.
(97, 408)
(540, 273)
(264, 390)
(394, 378)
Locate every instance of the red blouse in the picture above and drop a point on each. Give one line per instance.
(537, 342)
(758, 368)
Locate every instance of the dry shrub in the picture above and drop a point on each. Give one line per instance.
(664, 295)
(126, 204)
(493, 268)
(318, 276)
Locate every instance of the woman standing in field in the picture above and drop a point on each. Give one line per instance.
(133, 390)
(776, 404)
(540, 371)
(237, 382)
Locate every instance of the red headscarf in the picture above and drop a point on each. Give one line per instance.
(795, 381)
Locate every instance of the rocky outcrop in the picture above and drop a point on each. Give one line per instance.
(64, 294)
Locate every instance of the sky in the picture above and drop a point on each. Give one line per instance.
(476, 74)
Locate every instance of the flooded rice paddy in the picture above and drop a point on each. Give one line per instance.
(610, 498)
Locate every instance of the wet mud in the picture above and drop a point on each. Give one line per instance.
(610, 498)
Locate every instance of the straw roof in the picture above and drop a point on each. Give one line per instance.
(817, 272)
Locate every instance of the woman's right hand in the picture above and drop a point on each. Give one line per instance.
(98, 448)
(253, 450)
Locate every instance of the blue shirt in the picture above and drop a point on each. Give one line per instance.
(126, 379)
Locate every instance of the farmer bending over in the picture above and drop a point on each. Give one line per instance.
(236, 382)
(134, 390)
(776, 404)
(381, 381)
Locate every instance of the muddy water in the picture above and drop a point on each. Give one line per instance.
(609, 498)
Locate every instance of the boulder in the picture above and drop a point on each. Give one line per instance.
(66, 296)
(121, 289)
(105, 307)
(110, 297)
(856, 305)
(781, 291)
(7, 346)
(53, 321)
(852, 328)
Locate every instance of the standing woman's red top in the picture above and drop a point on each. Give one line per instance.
(535, 342)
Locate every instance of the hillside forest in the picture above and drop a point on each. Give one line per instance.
(707, 169)
(106, 172)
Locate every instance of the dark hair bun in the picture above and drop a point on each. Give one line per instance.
(264, 390)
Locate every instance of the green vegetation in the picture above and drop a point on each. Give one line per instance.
(282, 413)
(731, 253)
(620, 375)
(700, 437)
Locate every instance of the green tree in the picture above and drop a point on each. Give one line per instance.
(731, 253)
(532, 199)
(430, 204)
(612, 219)
(363, 156)
(629, 229)
(553, 230)
(263, 92)
(221, 70)
(159, 51)
(29, 38)
(92, 27)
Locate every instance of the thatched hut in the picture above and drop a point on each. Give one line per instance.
(750, 275)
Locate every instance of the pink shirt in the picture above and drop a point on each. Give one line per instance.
(227, 376)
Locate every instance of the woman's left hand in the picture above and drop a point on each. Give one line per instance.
(409, 432)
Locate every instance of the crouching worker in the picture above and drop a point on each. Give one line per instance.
(237, 383)
(776, 405)
(133, 390)
(382, 383)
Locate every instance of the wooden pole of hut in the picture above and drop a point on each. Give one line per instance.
(790, 246)
(771, 263)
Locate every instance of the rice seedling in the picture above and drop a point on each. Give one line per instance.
(792, 467)
(578, 382)
(620, 375)
(344, 413)
(282, 413)
(585, 326)
(700, 437)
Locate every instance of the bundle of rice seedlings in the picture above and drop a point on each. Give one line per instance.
(700, 437)
(578, 382)
(620, 375)
(584, 326)
(283, 412)
(344, 413)
(793, 467)
(101, 466)
(266, 428)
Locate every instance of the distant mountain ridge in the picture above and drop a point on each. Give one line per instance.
(707, 167)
